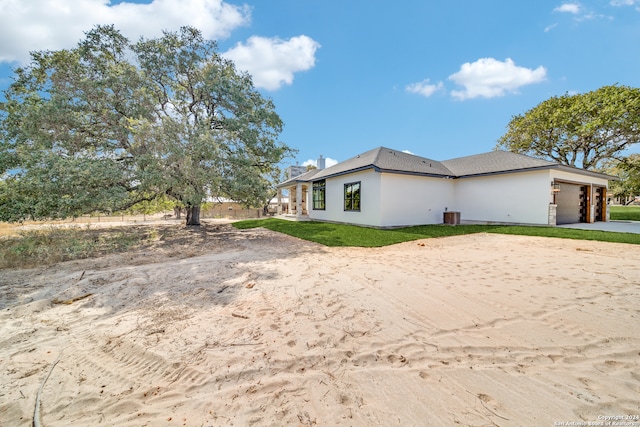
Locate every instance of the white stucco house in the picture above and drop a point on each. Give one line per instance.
(384, 187)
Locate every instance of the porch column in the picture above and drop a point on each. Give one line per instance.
(279, 206)
(298, 200)
(290, 204)
(591, 208)
(553, 212)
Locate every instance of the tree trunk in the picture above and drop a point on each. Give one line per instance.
(193, 215)
(177, 212)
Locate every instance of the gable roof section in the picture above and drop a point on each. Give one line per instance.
(494, 162)
(384, 159)
(498, 162)
(389, 160)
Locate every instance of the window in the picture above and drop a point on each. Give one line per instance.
(319, 193)
(352, 196)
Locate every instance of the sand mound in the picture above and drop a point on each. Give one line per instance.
(264, 329)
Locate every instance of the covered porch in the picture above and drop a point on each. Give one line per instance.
(297, 207)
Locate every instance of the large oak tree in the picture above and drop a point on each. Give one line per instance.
(111, 123)
(579, 130)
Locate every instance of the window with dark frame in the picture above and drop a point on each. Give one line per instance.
(352, 196)
(319, 194)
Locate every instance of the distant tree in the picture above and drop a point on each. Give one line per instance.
(109, 124)
(159, 204)
(578, 130)
(628, 170)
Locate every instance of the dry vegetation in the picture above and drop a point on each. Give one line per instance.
(23, 247)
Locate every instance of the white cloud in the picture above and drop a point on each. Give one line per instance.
(328, 162)
(488, 78)
(623, 2)
(568, 8)
(424, 88)
(53, 24)
(550, 27)
(272, 61)
(583, 14)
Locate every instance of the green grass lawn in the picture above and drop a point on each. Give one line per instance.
(330, 234)
(628, 213)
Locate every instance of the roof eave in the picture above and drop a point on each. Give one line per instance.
(319, 176)
(588, 172)
(537, 168)
(333, 175)
(416, 173)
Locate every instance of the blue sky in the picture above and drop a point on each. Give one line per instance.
(440, 79)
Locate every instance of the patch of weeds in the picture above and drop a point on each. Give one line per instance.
(32, 248)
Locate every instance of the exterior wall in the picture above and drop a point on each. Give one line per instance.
(389, 200)
(370, 196)
(516, 198)
(414, 200)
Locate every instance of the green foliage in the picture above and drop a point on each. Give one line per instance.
(628, 170)
(162, 203)
(578, 130)
(112, 124)
(330, 234)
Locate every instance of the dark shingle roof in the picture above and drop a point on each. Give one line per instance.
(493, 162)
(305, 177)
(505, 162)
(388, 160)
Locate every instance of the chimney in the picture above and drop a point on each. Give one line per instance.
(320, 162)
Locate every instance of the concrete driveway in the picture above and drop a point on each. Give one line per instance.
(619, 226)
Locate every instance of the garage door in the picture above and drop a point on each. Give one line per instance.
(571, 201)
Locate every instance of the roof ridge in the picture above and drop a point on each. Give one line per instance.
(378, 151)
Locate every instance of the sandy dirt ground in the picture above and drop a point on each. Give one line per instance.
(256, 328)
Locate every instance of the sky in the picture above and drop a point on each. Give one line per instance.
(440, 78)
